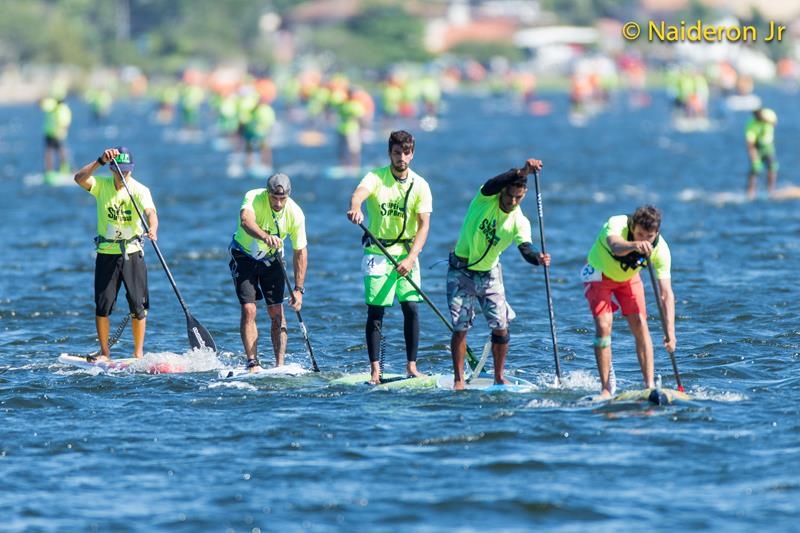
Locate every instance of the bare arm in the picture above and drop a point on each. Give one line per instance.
(668, 306)
(152, 223)
(84, 177)
(354, 214)
(300, 264)
(621, 247)
(248, 221)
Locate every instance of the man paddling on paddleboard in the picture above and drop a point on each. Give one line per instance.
(266, 218)
(759, 134)
(120, 244)
(620, 250)
(474, 277)
(399, 206)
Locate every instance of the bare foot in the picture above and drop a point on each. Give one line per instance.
(458, 385)
(501, 380)
(411, 370)
(604, 395)
(375, 379)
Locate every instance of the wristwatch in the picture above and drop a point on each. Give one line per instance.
(301, 290)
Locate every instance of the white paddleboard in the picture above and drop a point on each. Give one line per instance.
(290, 370)
(487, 384)
(126, 364)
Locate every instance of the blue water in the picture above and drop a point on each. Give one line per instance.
(192, 452)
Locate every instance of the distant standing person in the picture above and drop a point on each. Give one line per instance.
(266, 218)
(612, 273)
(493, 222)
(120, 244)
(399, 206)
(57, 120)
(759, 134)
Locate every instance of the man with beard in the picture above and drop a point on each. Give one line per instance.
(399, 205)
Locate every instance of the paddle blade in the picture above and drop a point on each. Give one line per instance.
(199, 337)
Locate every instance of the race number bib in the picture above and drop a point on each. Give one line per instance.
(374, 265)
(590, 274)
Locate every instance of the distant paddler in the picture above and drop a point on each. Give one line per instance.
(759, 134)
(611, 281)
(493, 222)
(120, 243)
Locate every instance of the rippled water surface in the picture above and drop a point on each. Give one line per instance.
(194, 451)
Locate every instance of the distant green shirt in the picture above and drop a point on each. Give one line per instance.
(762, 134)
(487, 227)
(601, 259)
(291, 222)
(116, 216)
(387, 206)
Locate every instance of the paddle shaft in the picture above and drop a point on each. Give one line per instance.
(471, 356)
(547, 276)
(198, 335)
(662, 315)
(314, 366)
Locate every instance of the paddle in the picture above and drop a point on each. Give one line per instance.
(314, 366)
(199, 337)
(472, 360)
(657, 291)
(547, 277)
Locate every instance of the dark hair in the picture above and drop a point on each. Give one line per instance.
(403, 138)
(648, 217)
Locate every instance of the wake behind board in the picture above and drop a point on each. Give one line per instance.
(283, 371)
(126, 364)
(487, 384)
(390, 381)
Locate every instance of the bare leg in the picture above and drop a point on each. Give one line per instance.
(249, 332)
(138, 326)
(103, 325)
(278, 332)
(772, 179)
(751, 185)
(644, 347)
(499, 353)
(458, 348)
(602, 354)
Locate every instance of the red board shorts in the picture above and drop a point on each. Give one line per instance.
(629, 296)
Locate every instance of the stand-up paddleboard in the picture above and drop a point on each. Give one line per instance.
(692, 124)
(341, 172)
(238, 170)
(487, 384)
(53, 178)
(126, 364)
(290, 370)
(789, 192)
(655, 396)
(390, 381)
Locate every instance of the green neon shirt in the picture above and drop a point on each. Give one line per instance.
(387, 207)
(488, 226)
(601, 259)
(291, 222)
(116, 216)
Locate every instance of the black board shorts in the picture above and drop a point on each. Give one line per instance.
(110, 272)
(256, 280)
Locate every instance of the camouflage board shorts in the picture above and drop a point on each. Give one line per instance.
(466, 288)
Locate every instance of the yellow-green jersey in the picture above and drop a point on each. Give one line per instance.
(487, 231)
(393, 207)
(118, 223)
(623, 269)
(760, 133)
(289, 221)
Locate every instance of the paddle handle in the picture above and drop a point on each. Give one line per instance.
(662, 316)
(550, 310)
